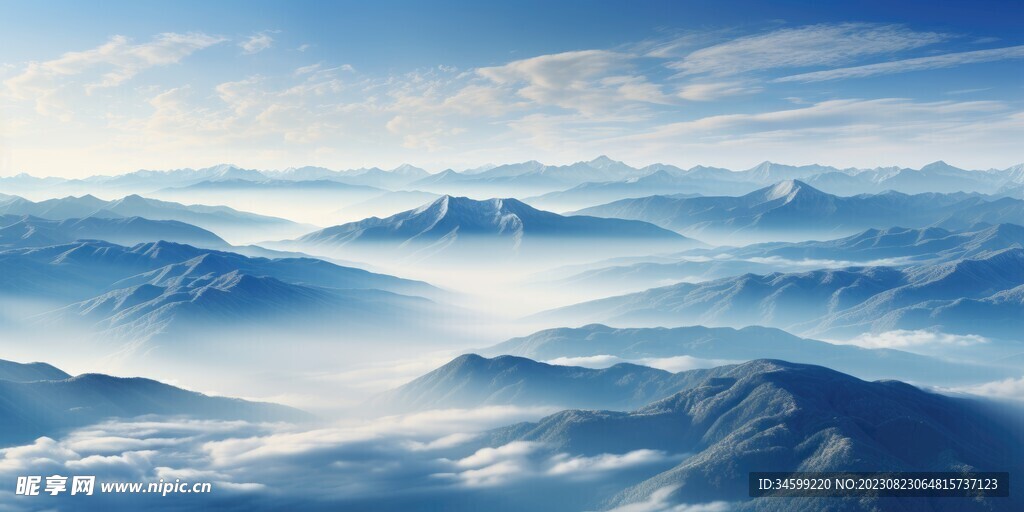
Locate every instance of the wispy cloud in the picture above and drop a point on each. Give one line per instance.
(907, 65)
(661, 501)
(108, 65)
(590, 81)
(911, 339)
(257, 43)
(814, 45)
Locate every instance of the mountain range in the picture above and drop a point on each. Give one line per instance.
(531, 178)
(983, 296)
(701, 344)
(24, 231)
(499, 228)
(794, 208)
(219, 219)
(771, 415)
(471, 381)
(896, 246)
(40, 400)
(102, 264)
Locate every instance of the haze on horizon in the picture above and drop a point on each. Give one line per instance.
(271, 86)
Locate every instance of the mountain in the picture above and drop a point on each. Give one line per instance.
(533, 178)
(770, 415)
(220, 219)
(527, 178)
(187, 306)
(58, 403)
(29, 372)
(895, 246)
(371, 177)
(833, 302)
(499, 227)
(285, 185)
(36, 232)
(645, 345)
(661, 181)
(915, 245)
(472, 381)
(770, 172)
(79, 270)
(793, 208)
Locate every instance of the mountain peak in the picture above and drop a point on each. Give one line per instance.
(788, 189)
(940, 166)
(602, 161)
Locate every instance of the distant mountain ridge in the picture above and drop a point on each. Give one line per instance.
(472, 381)
(532, 178)
(215, 218)
(30, 372)
(836, 302)
(55, 402)
(744, 344)
(501, 226)
(79, 270)
(794, 207)
(22, 232)
(895, 246)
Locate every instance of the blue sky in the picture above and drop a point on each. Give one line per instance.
(116, 86)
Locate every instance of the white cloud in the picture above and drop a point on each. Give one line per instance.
(906, 65)
(660, 501)
(588, 467)
(108, 65)
(257, 43)
(911, 339)
(1007, 388)
(120, 59)
(521, 460)
(490, 456)
(596, 361)
(714, 90)
(673, 364)
(814, 45)
(591, 82)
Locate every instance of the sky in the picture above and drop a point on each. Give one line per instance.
(104, 88)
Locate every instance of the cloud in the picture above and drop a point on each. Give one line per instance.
(520, 460)
(660, 501)
(673, 364)
(920, 338)
(588, 81)
(714, 90)
(109, 65)
(256, 43)
(406, 459)
(906, 65)
(813, 45)
(1007, 388)
(588, 467)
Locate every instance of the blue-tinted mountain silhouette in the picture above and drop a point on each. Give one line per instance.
(80, 270)
(19, 232)
(795, 207)
(840, 302)
(748, 343)
(472, 381)
(56, 402)
(770, 415)
(506, 226)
